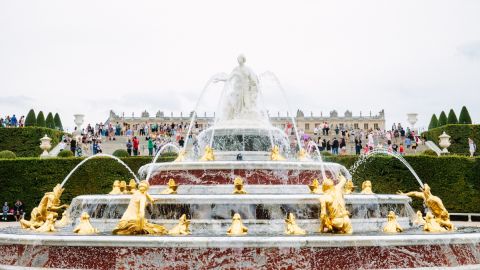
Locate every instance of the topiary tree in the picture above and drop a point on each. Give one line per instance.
(433, 122)
(7, 154)
(31, 119)
(58, 122)
(41, 120)
(120, 153)
(464, 116)
(65, 153)
(49, 123)
(442, 120)
(452, 117)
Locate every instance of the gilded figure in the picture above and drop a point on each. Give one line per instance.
(291, 226)
(238, 186)
(237, 227)
(392, 225)
(182, 228)
(334, 216)
(84, 226)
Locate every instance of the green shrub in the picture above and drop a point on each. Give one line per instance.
(58, 122)
(326, 153)
(49, 122)
(459, 136)
(452, 117)
(41, 120)
(120, 153)
(464, 117)
(7, 154)
(65, 153)
(433, 122)
(25, 141)
(31, 119)
(442, 119)
(429, 152)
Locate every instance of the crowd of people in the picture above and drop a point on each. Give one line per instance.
(12, 121)
(17, 211)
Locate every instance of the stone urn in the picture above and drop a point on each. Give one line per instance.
(78, 123)
(45, 145)
(412, 119)
(444, 142)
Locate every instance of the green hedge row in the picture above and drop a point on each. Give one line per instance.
(25, 142)
(455, 179)
(459, 136)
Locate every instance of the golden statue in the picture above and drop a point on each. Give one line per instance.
(49, 204)
(132, 186)
(181, 156)
(303, 155)
(133, 220)
(292, 227)
(48, 225)
(349, 187)
(116, 188)
(314, 186)
(419, 220)
(208, 156)
(171, 188)
(435, 205)
(333, 213)
(431, 224)
(123, 187)
(182, 228)
(65, 220)
(275, 154)
(392, 225)
(367, 187)
(84, 227)
(237, 227)
(238, 186)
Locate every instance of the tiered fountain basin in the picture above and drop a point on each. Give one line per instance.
(253, 172)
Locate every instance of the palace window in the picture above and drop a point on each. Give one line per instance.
(307, 126)
(375, 126)
(355, 126)
(365, 126)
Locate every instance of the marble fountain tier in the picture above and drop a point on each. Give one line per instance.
(249, 172)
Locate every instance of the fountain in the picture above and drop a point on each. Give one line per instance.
(249, 201)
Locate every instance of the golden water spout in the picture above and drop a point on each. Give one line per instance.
(238, 186)
(123, 187)
(303, 155)
(419, 220)
(431, 224)
(48, 225)
(237, 228)
(132, 186)
(392, 225)
(291, 226)
(314, 186)
(208, 156)
(116, 188)
(65, 220)
(367, 187)
(275, 154)
(85, 227)
(349, 187)
(182, 228)
(181, 156)
(171, 187)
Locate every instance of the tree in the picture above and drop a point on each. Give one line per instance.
(464, 116)
(49, 121)
(442, 120)
(41, 120)
(452, 117)
(433, 122)
(58, 122)
(31, 120)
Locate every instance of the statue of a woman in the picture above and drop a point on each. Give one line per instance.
(133, 220)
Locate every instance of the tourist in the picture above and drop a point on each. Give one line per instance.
(335, 146)
(472, 147)
(150, 146)
(99, 147)
(129, 147)
(358, 145)
(401, 149)
(136, 143)
(73, 146)
(181, 142)
(5, 210)
(19, 210)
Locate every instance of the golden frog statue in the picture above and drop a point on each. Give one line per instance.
(123, 187)
(65, 220)
(171, 187)
(48, 225)
(303, 155)
(49, 205)
(291, 226)
(419, 220)
(133, 220)
(392, 225)
(435, 205)
(314, 186)
(132, 186)
(238, 186)
(84, 227)
(116, 188)
(349, 187)
(181, 156)
(182, 228)
(237, 227)
(431, 224)
(334, 216)
(275, 154)
(208, 155)
(367, 187)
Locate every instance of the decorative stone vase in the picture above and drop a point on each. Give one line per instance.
(444, 142)
(45, 145)
(78, 123)
(412, 119)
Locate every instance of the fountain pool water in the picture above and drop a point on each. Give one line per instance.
(274, 186)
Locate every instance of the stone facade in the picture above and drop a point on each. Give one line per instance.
(304, 122)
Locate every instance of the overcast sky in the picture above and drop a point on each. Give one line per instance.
(92, 56)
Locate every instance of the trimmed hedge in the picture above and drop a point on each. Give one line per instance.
(455, 179)
(120, 153)
(25, 142)
(7, 154)
(65, 153)
(459, 136)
